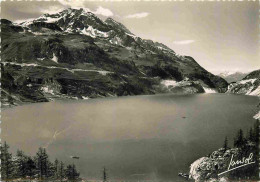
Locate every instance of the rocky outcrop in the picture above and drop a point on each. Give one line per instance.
(85, 56)
(216, 166)
(207, 168)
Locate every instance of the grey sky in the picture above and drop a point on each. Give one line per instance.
(219, 35)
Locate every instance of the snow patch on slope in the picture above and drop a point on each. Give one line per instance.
(247, 87)
(48, 90)
(133, 36)
(20, 64)
(116, 40)
(256, 91)
(209, 90)
(257, 116)
(102, 72)
(90, 31)
(168, 83)
(247, 81)
(85, 98)
(162, 48)
(54, 58)
(48, 19)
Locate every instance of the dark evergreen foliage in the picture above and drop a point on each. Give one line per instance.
(30, 168)
(104, 175)
(225, 146)
(246, 146)
(7, 165)
(72, 173)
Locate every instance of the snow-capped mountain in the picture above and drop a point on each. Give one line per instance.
(249, 85)
(86, 23)
(75, 54)
(232, 76)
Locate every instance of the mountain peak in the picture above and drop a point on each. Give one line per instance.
(81, 20)
(74, 20)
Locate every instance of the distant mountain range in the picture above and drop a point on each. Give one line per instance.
(232, 76)
(74, 54)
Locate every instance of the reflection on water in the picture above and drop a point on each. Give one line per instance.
(136, 138)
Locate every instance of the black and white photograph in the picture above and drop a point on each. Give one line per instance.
(130, 91)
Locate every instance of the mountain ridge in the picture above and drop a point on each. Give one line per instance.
(232, 76)
(249, 85)
(77, 55)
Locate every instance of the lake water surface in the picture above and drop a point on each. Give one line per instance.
(135, 138)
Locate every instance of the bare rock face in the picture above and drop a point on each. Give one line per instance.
(89, 57)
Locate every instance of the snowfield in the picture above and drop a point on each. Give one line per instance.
(90, 31)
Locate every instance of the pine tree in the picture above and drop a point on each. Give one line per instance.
(46, 164)
(71, 172)
(42, 163)
(256, 132)
(256, 149)
(56, 169)
(251, 135)
(239, 140)
(50, 169)
(30, 167)
(104, 175)
(9, 97)
(61, 171)
(20, 164)
(225, 146)
(6, 163)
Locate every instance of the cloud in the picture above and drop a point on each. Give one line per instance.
(103, 11)
(23, 20)
(80, 4)
(72, 4)
(183, 42)
(138, 15)
(51, 9)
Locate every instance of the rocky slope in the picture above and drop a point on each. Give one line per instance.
(213, 167)
(230, 164)
(232, 77)
(74, 54)
(249, 85)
